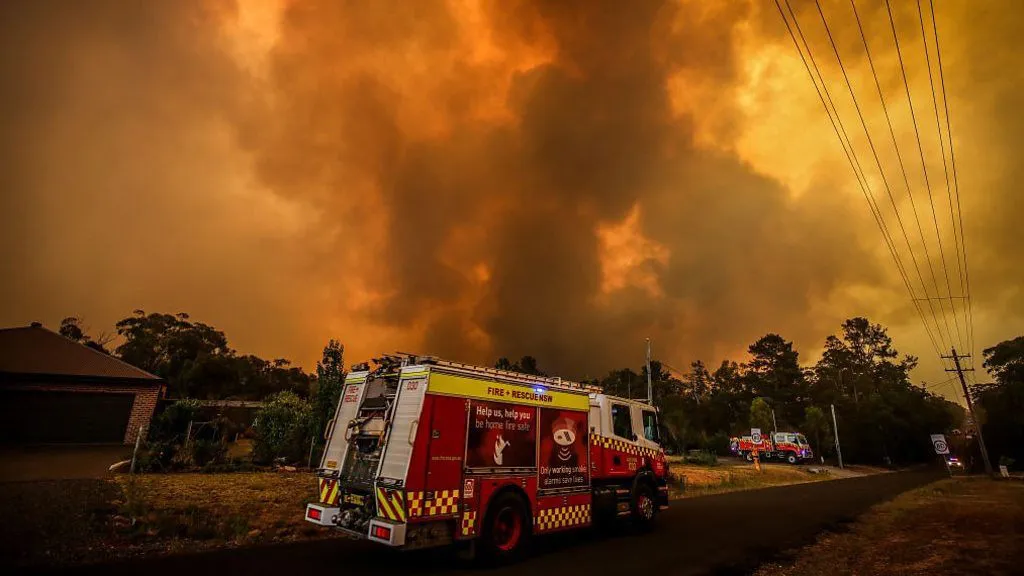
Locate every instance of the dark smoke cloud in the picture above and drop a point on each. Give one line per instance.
(594, 135)
(434, 176)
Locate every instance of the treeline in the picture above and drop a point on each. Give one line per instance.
(1000, 404)
(194, 358)
(882, 416)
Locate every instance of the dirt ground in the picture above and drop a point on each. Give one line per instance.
(952, 527)
(22, 464)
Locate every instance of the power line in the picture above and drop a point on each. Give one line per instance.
(903, 170)
(878, 163)
(956, 185)
(945, 166)
(851, 157)
(924, 169)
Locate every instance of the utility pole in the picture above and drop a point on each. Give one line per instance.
(650, 395)
(835, 429)
(970, 406)
(775, 427)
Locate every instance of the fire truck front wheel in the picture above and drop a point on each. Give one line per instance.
(791, 458)
(643, 506)
(506, 530)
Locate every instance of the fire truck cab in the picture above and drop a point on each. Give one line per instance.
(424, 452)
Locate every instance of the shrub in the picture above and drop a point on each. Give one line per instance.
(718, 444)
(283, 429)
(702, 458)
(172, 424)
(203, 452)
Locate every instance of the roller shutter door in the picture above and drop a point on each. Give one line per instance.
(47, 417)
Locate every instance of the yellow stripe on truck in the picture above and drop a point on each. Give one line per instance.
(539, 395)
(397, 502)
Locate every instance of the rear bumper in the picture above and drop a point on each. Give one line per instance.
(322, 515)
(378, 530)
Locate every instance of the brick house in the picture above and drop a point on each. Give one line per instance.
(56, 391)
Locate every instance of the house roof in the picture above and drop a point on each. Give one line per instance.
(39, 351)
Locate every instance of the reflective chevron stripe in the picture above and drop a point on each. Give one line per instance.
(391, 504)
(328, 491)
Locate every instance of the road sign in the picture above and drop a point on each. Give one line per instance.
(939, 443)
(1004, 472)
(755, 435)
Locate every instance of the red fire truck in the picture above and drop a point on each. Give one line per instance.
(789, 446)
(424, 452)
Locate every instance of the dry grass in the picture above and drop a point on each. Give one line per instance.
(68, 522)
(704, 480)
(221, 509)
(955, 526)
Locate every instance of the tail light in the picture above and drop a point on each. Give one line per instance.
(313, 513)
(382, 532)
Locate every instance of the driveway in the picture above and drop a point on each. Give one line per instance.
(26, 463)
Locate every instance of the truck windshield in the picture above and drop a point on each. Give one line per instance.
(801, 440)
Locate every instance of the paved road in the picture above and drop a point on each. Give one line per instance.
(726, 534)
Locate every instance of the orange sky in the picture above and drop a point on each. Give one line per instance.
(475, 178)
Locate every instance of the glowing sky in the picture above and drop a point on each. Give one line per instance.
(483, 178)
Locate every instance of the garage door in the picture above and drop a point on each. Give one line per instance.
(31, 417)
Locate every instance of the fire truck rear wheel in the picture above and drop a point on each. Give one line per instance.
(506, 530)
(644, 507)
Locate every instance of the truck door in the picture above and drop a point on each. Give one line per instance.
(645, 420)
(337, 444)
(620, 462)
(394, 464)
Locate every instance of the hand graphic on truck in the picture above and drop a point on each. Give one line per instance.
(499, 446)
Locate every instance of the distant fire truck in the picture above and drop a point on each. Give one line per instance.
(789, 446)
(424, 452)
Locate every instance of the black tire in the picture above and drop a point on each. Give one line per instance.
(643, 505)
(791, 458)
(507, 529)
(749, 457)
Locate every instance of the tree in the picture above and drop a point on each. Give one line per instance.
(526, 365)
(1002, 402)
(816, 426)
(697, 383)
(330, 374)
(71, 328)
(1005, 361)
(760, 415)
(197, 362)
(774, 372)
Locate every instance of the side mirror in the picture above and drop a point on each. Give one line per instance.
(635, 437)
